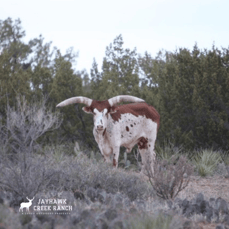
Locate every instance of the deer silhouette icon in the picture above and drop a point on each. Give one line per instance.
(26, 204)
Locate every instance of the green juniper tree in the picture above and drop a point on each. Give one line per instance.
(42, 77)
(66, 84)
(15, 71)
(192, 96)
(119, 72)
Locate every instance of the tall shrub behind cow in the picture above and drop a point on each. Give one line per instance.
(124, 125)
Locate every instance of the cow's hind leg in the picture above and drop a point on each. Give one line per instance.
(146, 149)
(147, 162)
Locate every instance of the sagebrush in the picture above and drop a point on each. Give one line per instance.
(168, 178)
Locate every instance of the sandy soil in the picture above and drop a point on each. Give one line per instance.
(216, 186)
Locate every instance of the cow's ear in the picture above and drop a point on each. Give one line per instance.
(87, 110)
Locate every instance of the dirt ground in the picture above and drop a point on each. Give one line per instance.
(211, 187)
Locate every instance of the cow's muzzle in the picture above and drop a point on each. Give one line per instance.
(99, 127)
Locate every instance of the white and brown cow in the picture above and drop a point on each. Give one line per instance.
(124, 125)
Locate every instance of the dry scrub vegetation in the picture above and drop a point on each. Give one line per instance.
(187, 190)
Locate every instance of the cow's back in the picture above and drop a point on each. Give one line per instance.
(137, 109)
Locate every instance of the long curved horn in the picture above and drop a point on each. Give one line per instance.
(78, 99)
(124, 98)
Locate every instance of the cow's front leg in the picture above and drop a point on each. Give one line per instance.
(107, 158)
(107, 155)
(115, 156)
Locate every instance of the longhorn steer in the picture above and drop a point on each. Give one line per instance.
(124, 125)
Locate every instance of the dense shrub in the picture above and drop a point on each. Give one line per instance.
(82, 173)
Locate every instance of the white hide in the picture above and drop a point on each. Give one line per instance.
(116, 135)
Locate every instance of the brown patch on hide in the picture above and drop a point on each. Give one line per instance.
(114, 162)
(127, 128)
(137, 109)
(99, 105)
(142, 143)
(104, 131)
(87, 109)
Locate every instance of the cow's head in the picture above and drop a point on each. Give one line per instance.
(100, 109)
(100, 119)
